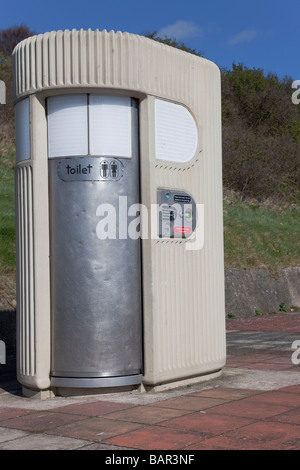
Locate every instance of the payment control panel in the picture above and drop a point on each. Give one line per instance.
(177, 214)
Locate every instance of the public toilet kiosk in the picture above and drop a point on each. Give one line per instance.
(120, 272)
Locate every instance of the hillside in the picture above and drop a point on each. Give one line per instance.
(261, 126)
(261, 169)
(261, 136)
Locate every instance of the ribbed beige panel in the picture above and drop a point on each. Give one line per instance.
(183, 291)
(184, 315)
(41, 380)
(104, 59)
(32, 242)
(25, 272)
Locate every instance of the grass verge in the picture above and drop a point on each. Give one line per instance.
(7, 211)
(255, 235)
(260, 235)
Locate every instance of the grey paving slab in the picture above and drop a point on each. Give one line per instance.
(43, 442)
(272, 340)
(10, 434)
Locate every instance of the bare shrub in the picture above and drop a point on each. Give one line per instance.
(10, 37)
(259, 165)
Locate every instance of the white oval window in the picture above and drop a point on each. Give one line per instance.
(176, 135)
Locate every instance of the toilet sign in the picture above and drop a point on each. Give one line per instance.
(90, 169)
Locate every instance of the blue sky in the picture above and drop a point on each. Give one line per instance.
(259, 33)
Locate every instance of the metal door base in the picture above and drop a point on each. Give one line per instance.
(96, 382)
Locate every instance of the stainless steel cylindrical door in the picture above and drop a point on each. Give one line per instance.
(95, 269)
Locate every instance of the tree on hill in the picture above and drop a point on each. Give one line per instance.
(10, 37)
(260, 132)
(173, 43)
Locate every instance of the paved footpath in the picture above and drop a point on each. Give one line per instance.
(255, 404)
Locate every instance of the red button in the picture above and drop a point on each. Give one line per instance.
(185, 230)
